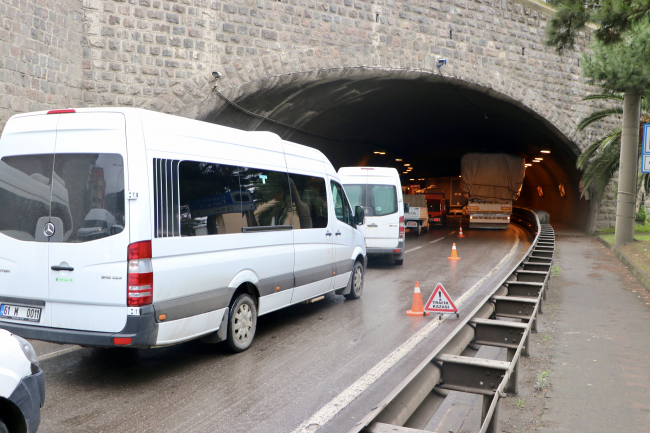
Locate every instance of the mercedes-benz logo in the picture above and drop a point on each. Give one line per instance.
(48, 230)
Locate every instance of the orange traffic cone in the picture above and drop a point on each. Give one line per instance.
(418, 308)
(454, 255)
(460, 233)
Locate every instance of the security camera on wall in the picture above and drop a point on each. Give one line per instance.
(216, 75)
(441, 62)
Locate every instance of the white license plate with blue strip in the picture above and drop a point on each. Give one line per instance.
(20, 312)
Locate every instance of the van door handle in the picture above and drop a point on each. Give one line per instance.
(372, 225)
(338, 233)
(328, 234)
(62, 268)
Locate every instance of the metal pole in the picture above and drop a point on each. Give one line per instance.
(512, 386)
(494, 421)
(626, 201)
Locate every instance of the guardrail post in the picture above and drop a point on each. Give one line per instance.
(494, 421)
(512, 385)
(525, 350)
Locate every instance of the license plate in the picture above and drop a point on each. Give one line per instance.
(20, 312)
(411, 224)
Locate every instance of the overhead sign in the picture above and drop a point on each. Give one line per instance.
(645, 157)
(440, 302)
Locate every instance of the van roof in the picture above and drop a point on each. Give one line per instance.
(368, 171)
(177, 125)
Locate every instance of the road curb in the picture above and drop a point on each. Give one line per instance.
(638, 273)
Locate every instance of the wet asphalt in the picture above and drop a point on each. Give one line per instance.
(302, 356)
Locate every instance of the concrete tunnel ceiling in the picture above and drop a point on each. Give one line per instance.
(427, 122)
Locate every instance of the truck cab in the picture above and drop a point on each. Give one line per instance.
(436, 207)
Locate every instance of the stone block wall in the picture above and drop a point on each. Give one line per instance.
(42, 46)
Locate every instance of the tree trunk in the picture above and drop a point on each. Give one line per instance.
(628, 169)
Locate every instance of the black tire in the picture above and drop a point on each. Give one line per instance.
(356, 282)
(242, 322)
(3, 427)
(399, 262)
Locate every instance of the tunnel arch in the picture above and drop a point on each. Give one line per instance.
(419, 116)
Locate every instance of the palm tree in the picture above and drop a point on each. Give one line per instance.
(600, 160)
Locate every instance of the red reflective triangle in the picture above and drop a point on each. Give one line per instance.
(440, 302)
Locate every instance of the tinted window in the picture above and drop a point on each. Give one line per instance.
(378, 200)
(25, 184)
(210, 199)
(265, 198)
(88, 195)
(341, 206)
(85, 191)
(309, 198)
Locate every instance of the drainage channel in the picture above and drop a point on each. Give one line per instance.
(504, 319)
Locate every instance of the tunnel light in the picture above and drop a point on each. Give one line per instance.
(536, 160)
(399, 159)
(528, 165)
(539, 159)
(411, 179)
(407, 165)
(380, 153)
(545, 151)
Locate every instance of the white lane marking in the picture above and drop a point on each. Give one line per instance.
(338, 403)
(58, 353)
(412, 249)
(439, 239)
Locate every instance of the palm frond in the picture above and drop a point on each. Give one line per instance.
(600, 170)
(599, 115)
(599, 145)
(617, 96)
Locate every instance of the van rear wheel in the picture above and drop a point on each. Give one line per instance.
(3, 427)
(357, 282)
(242, 323)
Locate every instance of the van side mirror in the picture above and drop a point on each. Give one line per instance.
(359, 215)
(406, 208)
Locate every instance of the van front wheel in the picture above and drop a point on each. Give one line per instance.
(242, 323)
(357, 282)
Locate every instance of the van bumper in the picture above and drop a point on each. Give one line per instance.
(142, 329)
(381, 251)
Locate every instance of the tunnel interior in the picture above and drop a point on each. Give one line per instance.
(429, 122)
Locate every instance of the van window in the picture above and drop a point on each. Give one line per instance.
(210, 199)
(341, 206)
(378, 200)
(265, 198)
(24, 194)
(86, 191)
(309, 198)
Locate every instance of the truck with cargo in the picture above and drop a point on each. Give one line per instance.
(417, 217)
(490, 182)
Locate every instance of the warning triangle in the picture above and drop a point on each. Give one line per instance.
(440, 302)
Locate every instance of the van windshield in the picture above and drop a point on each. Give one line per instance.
(83, 196)
(378, 200)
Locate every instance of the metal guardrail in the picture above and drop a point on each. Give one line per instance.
(518, 300)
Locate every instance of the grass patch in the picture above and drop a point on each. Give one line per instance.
(556, 270)
(541, 382)
(638, 252)
(638, 228)
(609, 238)
(521, 403)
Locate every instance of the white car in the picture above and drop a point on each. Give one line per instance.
(22, 386)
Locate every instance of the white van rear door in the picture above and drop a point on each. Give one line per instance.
(26, 154)
(382, 214)
(88, 256)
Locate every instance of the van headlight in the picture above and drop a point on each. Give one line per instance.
(27, 348)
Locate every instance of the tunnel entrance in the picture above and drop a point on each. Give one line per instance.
(424, 120)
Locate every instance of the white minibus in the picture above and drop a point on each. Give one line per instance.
(379, 191)
(127, 227)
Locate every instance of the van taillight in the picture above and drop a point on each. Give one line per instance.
(401, 227)
(139, 289)
(68, 110)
